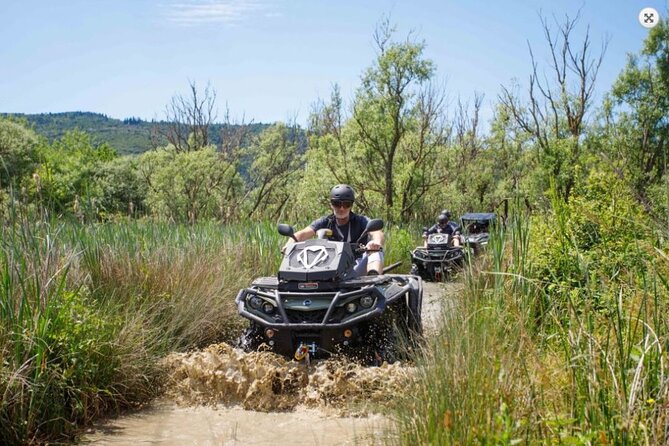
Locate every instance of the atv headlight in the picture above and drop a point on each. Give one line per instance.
(351, 307)
(268, 308)
(366, 301)
(255, 302)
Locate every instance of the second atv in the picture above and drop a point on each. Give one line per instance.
(438, 259)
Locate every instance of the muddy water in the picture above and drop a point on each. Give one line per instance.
(221, 395)
(169, 424)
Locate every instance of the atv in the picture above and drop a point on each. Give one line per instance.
(439, 259)
(315, 307)
(476, 230)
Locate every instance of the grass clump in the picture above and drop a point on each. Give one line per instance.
(86, 312)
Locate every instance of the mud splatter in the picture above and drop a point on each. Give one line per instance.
(263, 381)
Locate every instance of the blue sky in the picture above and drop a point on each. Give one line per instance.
(270, 60)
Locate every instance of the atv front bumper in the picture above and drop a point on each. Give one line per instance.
(325, 321)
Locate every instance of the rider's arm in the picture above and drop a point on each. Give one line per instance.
(426, 233)
(301, 236)
(305, 234)
(376, 240)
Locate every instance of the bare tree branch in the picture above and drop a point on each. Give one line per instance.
(557, 105)
(189, 119)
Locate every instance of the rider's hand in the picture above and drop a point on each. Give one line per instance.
(373, 246)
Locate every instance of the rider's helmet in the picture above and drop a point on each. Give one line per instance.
(447, 213)
(342, 192)
(442, 219)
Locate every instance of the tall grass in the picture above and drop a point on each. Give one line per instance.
(87, 311)
(525, 359)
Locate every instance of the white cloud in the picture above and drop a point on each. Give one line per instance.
(202, 12)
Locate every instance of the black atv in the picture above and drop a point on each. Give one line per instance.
(315, 307)
(476, 229)
(439, 259)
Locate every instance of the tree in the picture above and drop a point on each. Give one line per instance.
(234, 136)
(187, 186)
(189, 119)
(276, 167)
(386, 109)
(122, 190)
(557, 109)
(18, 153)
(388, 149)
(637, 115)
(470, 168)
(509, 160)
(65, 179)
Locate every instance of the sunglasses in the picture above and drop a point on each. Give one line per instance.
(341, 204)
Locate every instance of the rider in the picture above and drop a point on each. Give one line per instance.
(444, 225)
(347, 226)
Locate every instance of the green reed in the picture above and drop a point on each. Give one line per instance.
(87, 311)
(527, 358)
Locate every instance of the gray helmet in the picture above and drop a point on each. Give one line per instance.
(447, 213)
(443, 218)
(342, 192)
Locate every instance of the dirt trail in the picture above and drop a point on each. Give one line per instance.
(213, 393)
(437, 303)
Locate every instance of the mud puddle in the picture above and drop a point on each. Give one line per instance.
(168, 424)
(221, 395)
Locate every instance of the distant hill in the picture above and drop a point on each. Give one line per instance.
(127, 136)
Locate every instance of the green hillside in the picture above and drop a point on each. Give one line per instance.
(127, 136)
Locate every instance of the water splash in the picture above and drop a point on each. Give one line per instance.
(263, 381)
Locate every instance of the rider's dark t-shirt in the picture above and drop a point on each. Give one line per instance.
(346, 233)
(450, 228)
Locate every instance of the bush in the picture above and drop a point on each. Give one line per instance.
(600, 235)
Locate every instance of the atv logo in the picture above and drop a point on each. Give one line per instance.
(318, 255)
(438, 238)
